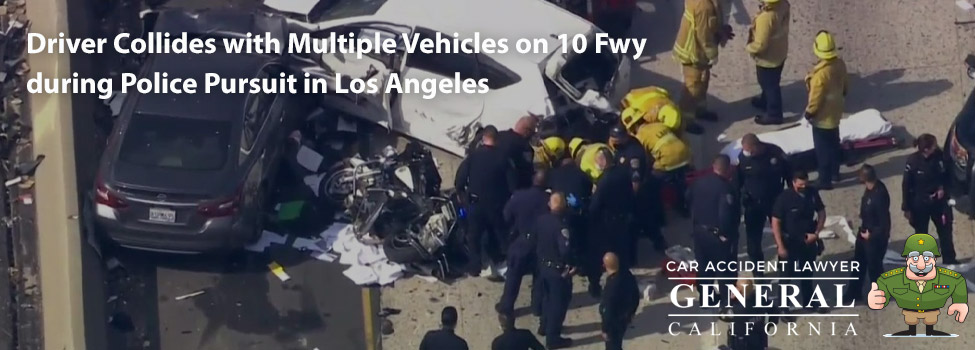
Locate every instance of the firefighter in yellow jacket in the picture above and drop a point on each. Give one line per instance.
(584, 154)
(549, 152)
(696, 49)
(768, 44)
(653, 105)
(671, 156)
(827, 95)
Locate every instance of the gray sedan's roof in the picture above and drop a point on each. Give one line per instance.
(215, 105)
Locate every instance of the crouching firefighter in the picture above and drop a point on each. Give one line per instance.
(671, 156)
(653, 105)
(549, 152)
(584, 154)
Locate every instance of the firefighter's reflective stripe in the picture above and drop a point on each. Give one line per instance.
(687, 53)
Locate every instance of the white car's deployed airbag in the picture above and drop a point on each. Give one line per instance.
(863, 125)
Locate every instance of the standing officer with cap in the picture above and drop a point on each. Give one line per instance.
(763, 172)
(920, 288)
(827, 97)
(631, 154)
(486, 179)
(555, 270)
(874, 234)
(925, 193)
(521, 212)
(797, 217)
(715, 236)
(768, 44)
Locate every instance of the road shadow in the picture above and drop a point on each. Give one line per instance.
(661, 17)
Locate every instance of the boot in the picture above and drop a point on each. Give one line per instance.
(910, 332)
(765, 120)
(930, 331)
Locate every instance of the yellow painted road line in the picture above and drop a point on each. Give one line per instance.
(367, 319)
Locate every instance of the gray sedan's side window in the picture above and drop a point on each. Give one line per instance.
(255, 114)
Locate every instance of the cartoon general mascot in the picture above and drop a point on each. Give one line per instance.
(921, 289)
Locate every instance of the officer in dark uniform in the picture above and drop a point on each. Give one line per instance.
(485, 179)
(632, 155)
(521, 212)
(874, 233)
(925, 196)
(513, 338)
(569, 179)
(797, 217)
(555, 270)
(763, 172)
(515, 143)
(444, 338)
(715, 236)
(611, 211)
(619, 303)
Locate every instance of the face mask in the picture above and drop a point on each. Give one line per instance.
(746, 153)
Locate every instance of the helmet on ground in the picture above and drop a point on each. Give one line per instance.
(824, 47)
(554, 146)
(575, 145)
(921, 242)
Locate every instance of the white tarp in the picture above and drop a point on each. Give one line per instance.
(862, 125)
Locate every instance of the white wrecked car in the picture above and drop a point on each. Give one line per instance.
(540, 84)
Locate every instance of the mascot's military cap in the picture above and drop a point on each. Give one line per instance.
(921, 242)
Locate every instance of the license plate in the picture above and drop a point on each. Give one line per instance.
(162, 215)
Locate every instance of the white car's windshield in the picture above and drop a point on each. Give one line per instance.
(589, 70)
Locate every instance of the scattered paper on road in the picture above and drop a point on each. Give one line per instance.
(964, 5)
(361, 275)
(325, 256)
(309, 159)
(306, 244)
(278, 271)
(314, 183)
(827, 234)
(187, 296)
(267, 238)
(837, 220)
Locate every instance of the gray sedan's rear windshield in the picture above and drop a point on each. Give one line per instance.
(172, 142)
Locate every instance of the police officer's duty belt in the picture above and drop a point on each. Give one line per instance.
(554, 265)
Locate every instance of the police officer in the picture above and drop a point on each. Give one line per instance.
(925, 187)
(485, 179)
(874, 233)
(715, 236)
(631, 154)
(763, 172)
(619, 303)
(797, 217)
(611, 211)
(515, 143)
(444, 338)
(920, 289)
(524, 207)
(569, 179)
(555, 271)
(513, 338)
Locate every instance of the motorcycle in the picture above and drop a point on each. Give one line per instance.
(394, 199)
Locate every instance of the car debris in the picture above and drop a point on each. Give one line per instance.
(190, 295)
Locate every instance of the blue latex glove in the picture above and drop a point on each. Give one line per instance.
(572, 200)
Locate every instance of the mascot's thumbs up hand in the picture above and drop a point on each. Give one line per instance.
(960, 309)
(876, 298)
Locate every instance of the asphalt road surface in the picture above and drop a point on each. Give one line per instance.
(132, 305)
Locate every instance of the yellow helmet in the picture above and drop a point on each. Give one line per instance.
(824, 47)
(669, 115)
(575, 145)
(631, 117)
(770, 1)
(554, 146)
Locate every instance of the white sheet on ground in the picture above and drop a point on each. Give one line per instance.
(309, 159)
(862, 125)
(267, 238)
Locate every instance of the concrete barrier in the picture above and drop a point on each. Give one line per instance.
(59, 239)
